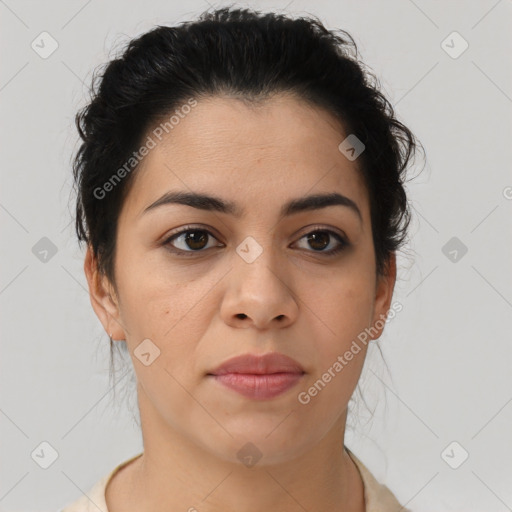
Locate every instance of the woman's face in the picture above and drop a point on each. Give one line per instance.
(245, 279)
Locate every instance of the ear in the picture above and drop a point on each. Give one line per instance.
(383, 295)
(103, 298)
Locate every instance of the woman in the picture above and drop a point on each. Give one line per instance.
(240, 190)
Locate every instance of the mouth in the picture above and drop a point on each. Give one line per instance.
(261, 386)
(259, 377)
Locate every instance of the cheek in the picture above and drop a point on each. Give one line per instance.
(345, 305)
(167, 315)
(345, 311)
(339, 353)
(172, 312)
(154, 300)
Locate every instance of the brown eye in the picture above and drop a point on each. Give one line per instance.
(320, 239)
(195, 240)
(189, 240)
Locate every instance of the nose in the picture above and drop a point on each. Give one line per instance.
(259, 295)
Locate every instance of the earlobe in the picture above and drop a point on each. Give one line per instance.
(101, 295)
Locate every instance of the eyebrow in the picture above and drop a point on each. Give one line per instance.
(211, 203)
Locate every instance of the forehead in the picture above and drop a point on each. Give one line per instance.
(249, 153)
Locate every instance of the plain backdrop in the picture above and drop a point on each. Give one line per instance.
(448, 392)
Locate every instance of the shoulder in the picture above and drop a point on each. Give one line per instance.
(378, 497)
(94, 499)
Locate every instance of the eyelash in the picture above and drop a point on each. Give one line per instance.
(333, 252)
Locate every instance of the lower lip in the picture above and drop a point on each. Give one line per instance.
(259, 387)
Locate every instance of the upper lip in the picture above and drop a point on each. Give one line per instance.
(272, 362)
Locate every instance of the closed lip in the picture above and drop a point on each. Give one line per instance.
(272, 362)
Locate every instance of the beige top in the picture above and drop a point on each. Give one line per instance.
(378, 497)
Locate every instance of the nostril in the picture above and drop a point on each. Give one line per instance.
(241, 315)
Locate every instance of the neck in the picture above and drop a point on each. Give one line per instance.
(176, 474)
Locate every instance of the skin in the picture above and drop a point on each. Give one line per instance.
(296, 300)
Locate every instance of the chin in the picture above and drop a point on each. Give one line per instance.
(259, 445)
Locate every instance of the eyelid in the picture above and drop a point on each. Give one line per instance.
(341, 237)
(320, 227)
(185, 229)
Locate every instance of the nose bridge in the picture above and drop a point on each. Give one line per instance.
(257, 260)
(258, 289)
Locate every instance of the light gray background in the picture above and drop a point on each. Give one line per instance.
(449, 351)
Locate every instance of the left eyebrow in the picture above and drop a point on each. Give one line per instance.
(211, 203)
